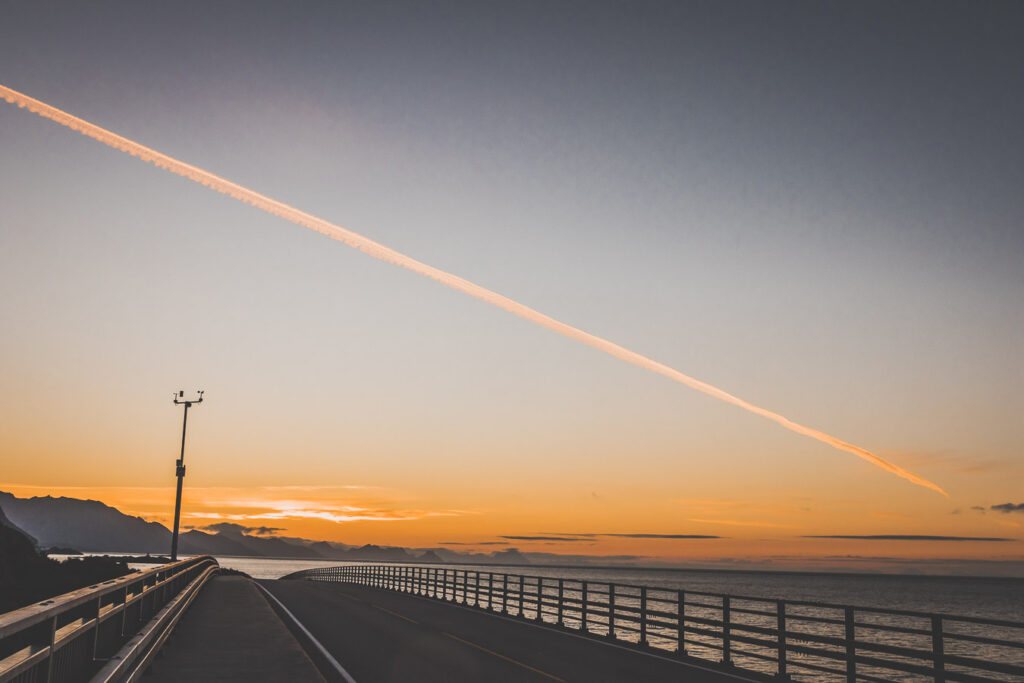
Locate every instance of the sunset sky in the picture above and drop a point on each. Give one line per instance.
(816, 207)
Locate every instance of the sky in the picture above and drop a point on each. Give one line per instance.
(814, 206)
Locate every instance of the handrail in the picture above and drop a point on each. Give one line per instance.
(767, 636)
(71, 636)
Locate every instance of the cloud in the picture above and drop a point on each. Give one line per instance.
(550, 539)
(1007, 508)
(660, 535)
(228, 527)
(469, 543)
(397, 258)
(912, 537)
(570, 538)
(274, 509)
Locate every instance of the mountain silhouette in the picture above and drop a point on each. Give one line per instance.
(86, 525)
(26, 576)
(94, 527)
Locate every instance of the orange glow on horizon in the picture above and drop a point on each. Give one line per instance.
(764, 534)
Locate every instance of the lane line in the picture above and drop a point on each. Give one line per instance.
(590, 639)
(394, 614)
(330, 658)
(501, 656)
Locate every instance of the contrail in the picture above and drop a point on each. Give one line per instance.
(379, 251)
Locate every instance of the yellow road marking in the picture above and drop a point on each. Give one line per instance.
(499, 656)
(395, 614)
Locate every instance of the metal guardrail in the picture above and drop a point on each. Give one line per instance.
(787, 638)
(104, 632)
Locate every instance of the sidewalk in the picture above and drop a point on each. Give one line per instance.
(230, 633)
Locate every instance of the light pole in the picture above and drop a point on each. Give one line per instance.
(181, 468)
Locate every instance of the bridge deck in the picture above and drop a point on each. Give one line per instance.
(230, 633)
(381, 636)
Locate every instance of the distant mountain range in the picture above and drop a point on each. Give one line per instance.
(91, 526)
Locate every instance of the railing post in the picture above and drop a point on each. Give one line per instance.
(781, 635)
(643, 615)
(504, 593)
(938, 650)
(681, 623)
(611, 610)
(726, 635)
(490, 591)
(520, 597)
(851, 648)
(561, 602)
(96, 627)
(50, 655)
(583, 608)
(124, 612)
(540, 598)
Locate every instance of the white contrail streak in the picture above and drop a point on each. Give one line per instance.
(384, 253)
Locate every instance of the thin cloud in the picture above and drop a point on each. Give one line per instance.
(912, 537)
(254, 530)
(472, 544)
(550, 539)
(388, 255)
(660, 535)
(555, 536)
(1007, 508)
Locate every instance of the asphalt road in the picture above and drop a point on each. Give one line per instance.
(380, 636)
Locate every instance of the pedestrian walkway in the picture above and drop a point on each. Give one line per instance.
(230, 633)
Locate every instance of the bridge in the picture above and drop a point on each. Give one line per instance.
(185, 621)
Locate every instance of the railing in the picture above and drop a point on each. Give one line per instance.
(787, 638)
(107, 630)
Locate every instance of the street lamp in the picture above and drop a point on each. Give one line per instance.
(181, 467)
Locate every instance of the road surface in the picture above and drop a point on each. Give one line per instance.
(382, 636)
